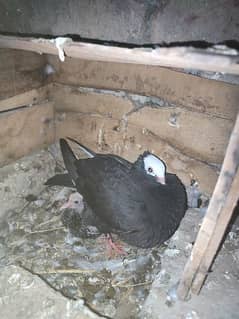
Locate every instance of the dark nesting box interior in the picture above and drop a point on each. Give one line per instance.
(122, 109)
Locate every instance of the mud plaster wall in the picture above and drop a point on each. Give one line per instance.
(119, 108)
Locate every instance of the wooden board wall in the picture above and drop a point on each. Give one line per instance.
(188, 128)
(20, 71)
(32, 97)
(202, 95)
(197, 135)
(106, 123)
(26, 129)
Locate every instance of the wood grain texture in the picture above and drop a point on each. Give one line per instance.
(178, 57)
(72, 99)
(31, 97)
(218, 234)
(207, 96)
(219, 211)
(197, 135)
(20, 71)
(25, 130)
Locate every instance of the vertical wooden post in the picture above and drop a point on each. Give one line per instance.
(217, 236)
(215, 222)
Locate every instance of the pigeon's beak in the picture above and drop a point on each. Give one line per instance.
(66, 205)
(160, 179)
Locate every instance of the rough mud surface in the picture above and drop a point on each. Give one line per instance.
(138, 285)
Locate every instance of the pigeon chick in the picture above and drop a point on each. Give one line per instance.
(78, 218)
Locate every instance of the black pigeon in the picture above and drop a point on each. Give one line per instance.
(65, 179)
(138, 201)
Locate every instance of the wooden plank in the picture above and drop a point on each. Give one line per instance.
(79, 100)
(6, 59)
(13, 83)
(24, 71)
(217, 237)
(7, 87)
(215, 210)
(27, 61)
(25, 130)
(183, 129)
(105, 134)
(179, 57)
(192, 92)
(28, 98)
(197, 135)
(21, 60)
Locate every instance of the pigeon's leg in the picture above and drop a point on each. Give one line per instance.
(112, 247)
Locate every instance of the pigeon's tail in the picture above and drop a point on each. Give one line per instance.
(86, 150)
(69, 159)
(68, 180)
(60, 180)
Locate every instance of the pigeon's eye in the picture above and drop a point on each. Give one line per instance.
(150, 170)
(76, 202)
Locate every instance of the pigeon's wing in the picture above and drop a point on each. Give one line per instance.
(92, 154)
(85, 149)
(121, 160)
(70, 159)
(60, 180)
(114, 192)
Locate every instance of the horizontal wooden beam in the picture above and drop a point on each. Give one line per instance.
(20, 71)
(217, 60)
(212, 97)
(31, 97)
(25, 130)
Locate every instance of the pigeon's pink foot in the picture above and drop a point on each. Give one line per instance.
(113, 249)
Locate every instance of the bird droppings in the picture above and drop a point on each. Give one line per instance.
(33, 241)
(173, 120)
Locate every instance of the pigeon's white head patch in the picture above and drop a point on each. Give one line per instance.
(155, 167)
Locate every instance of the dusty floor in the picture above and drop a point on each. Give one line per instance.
(139, 285)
